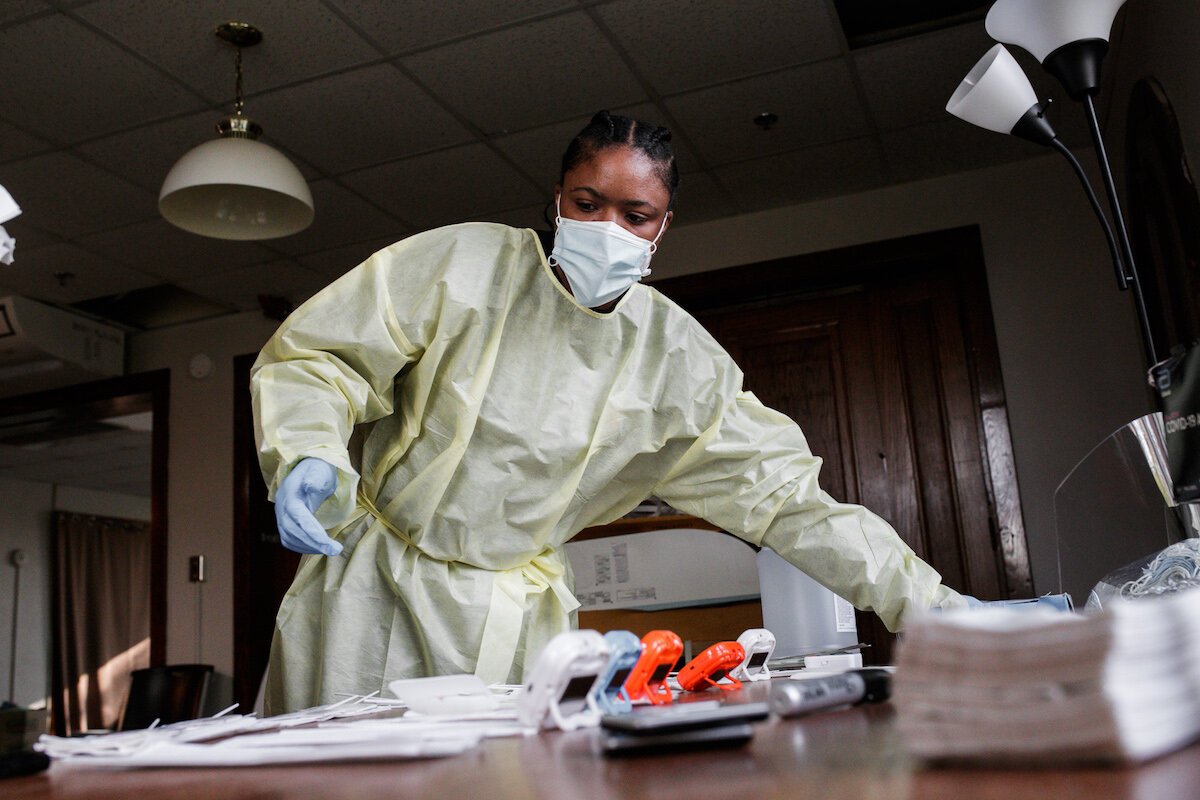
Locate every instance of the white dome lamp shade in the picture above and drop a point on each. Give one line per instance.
(236, 187)
(8, 207)
(1068, 37)
(996, 95)
(8, 210)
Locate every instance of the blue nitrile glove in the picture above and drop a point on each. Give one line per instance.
(1054, 602)
(309, 484)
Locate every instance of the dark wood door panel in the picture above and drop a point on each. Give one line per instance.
(799, 373)
(902, 359)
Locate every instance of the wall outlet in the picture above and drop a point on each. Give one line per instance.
(196, 569)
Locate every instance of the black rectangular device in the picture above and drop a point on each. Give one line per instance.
(617, 743)
(655, 720)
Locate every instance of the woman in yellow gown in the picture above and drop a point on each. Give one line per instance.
(436, 423)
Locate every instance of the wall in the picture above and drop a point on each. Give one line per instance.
(25, 522)
(200, 484)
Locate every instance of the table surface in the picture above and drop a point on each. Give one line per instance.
(850, 753)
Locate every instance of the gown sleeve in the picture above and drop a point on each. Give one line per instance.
(751, 472)
(333, 363)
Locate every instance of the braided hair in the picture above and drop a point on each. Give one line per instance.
(609, 130)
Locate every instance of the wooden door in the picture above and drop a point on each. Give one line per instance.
(892, 377)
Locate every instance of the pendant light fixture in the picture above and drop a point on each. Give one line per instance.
(236, 187)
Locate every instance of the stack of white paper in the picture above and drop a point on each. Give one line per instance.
(1037, 686)
(355, 729)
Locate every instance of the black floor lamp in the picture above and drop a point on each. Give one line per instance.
(1070, 39)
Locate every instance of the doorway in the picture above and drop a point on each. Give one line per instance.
(264, 568)
(99, 449)
(885, 355)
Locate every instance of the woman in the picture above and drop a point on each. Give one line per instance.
(460, 405)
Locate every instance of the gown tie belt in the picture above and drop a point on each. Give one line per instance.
(511, 590)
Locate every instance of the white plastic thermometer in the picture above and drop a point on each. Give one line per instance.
(758, 643)
(556, 692)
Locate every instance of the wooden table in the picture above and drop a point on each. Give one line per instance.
(853, 753)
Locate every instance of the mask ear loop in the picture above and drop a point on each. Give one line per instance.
(550, 259)
(654, 246)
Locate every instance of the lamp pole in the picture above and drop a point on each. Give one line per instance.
(1130, 273)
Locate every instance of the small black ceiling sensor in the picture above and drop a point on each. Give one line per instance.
(766, 119)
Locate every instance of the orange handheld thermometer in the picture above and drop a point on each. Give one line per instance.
(647, 681)
(711, 666)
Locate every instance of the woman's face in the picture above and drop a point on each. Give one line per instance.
(617, 184)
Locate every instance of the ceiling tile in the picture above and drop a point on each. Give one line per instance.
(700, 199)
(685, 44)
(94, 276)
(910, 81)
(159, 248)
(81, 86)
(522, 77)
(89, 445)
(15, 9)
(357, 118)
(337, 261)
(939, 148)
(815, 104)
(99, 475)
(134, 459)
(64, 195)
(13, 459)
(49, 471)
(804, 175)
(539, 151)
(241, 287)
(15, 143)
(145, 155)
(301, 38)
(398, 28)
(27, 236)
(341, 217)
(447, 186)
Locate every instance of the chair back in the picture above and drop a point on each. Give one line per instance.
(169, 694)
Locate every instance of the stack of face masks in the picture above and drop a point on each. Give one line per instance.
(1028, 688)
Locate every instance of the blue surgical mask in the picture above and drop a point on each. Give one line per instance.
(600, 259)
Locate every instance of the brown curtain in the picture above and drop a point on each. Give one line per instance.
(102, 617)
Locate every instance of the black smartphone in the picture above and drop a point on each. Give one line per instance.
(656, 720)
(614, 743)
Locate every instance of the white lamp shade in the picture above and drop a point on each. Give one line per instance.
(995, 94)
(1043, 26)
(234, 188)
(8, 206)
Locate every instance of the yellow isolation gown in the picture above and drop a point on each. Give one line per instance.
(478, 418)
